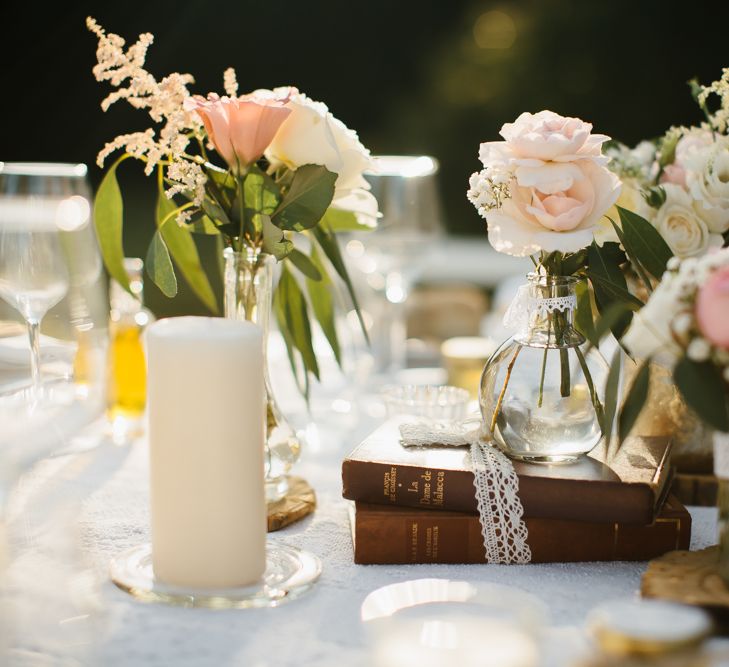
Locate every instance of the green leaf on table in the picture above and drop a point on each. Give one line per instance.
(274, 240)
(703, 389)
(307, 198)
(634, 401)
(304, 264)
(345, 221)
(296, 317)
(322, 303)
(643, 242)
(109, 222)
(181, 246)
(611, 398)
(327, 241)
(159, 266)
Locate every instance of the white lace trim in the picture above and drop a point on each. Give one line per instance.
(523, 306)
(496, 486)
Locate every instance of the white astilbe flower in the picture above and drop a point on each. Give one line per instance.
(183, 217)
(720, 118)
(187, 178)
(230, 82)
(163, 100)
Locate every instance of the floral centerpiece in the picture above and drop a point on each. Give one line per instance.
(272, 174)
(543, 191)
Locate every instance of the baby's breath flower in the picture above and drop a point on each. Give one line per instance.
(720, 118)
(187, 178)
(183, 217)
(698, 350)
(488, 189)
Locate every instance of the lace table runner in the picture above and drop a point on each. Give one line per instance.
(496, 485)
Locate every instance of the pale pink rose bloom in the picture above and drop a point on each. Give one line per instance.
(675, 174)
(712, 308)
(547, 136)
(241, 128)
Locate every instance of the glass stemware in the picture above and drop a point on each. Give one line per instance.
(38, 203)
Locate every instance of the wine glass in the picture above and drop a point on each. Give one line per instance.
(38, 203)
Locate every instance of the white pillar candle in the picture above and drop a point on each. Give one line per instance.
(206, 434)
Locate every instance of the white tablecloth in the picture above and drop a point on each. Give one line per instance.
(104, 491)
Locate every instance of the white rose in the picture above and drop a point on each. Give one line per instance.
(312, 135)
(631, 199)
(681, 227)
(707, 179)
(650, 330)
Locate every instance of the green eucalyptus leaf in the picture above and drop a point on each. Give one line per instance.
(322, 303)
(260, 191)
(703, 389)
(304, 264)
(634, 401)
(159, 266)
(307, 198)
(296, 316)
(328, 243)
(181, 246)
(109, 222)
(274, 240)
(345, 221)
(644, 243)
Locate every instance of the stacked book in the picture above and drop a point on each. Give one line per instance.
(418, 504)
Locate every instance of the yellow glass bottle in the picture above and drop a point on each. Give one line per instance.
(127, 390)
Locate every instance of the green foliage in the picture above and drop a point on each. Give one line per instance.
(611, 398)
(644, 245)
(344, 221)
(159, 266)
(609, 285)
(634, 401)
(703, 389)
(293, 316)
(304, 264)
(109, 220)
(274, 240)
(328, 243)
(182, 248)
(584, 321)
(306, 200)
(322, 303)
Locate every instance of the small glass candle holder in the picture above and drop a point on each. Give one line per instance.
(438, 402)
(464, 358)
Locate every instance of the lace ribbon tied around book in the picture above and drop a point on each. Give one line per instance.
(523, 306)
(496, 483)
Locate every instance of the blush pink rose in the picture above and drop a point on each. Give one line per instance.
(241, 128)
(712, 308)
(675, 174)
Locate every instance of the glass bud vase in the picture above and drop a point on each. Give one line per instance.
(248, 279)
(543, 388)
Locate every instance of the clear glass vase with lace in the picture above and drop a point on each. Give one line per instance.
(542, 391)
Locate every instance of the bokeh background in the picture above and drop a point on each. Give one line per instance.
(411, 76)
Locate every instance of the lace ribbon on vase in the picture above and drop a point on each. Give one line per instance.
(523, 306)
(496, 483)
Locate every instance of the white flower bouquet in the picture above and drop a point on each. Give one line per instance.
(289, 169)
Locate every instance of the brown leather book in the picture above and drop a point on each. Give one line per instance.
(399, 535)
(628, 490)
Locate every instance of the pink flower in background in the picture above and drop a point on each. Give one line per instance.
(241, 128)
(674, 174)
(712, 308)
